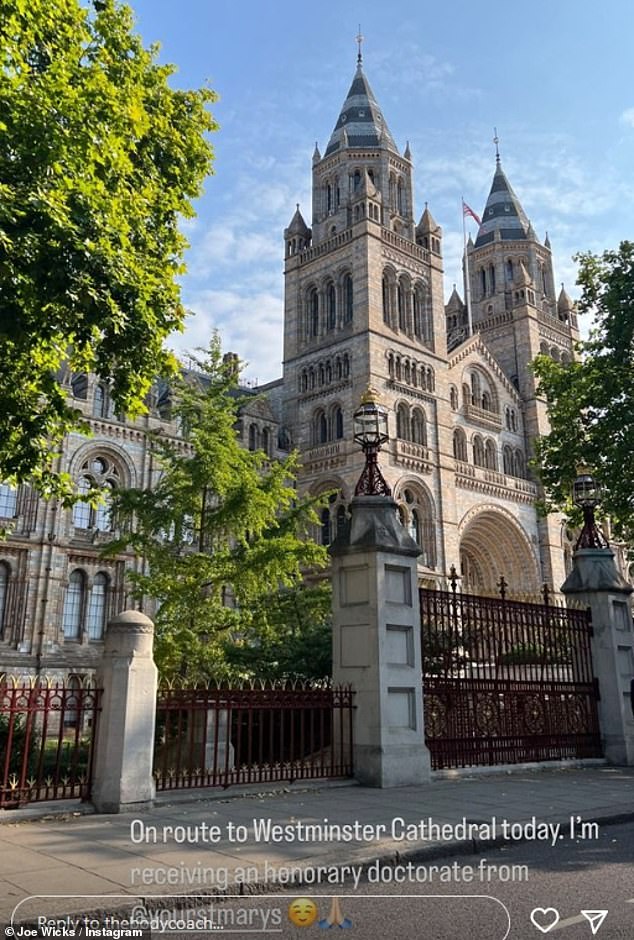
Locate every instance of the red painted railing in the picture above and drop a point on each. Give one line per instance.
(46, 739)
(218, 737)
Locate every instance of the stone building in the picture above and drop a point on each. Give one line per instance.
(363, 305)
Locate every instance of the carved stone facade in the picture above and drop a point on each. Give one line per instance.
(363, 306)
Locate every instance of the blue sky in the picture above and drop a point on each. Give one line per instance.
(554, 77)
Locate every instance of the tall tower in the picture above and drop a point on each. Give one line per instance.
(363, 299)
(517, 313)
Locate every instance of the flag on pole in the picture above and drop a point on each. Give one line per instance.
(467, 210)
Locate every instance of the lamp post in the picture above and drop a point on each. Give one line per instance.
(370, 431)
(586, 493)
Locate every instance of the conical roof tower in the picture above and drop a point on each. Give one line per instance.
(503, 211)
(361, 118)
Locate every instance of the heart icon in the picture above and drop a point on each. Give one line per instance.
(545, 918)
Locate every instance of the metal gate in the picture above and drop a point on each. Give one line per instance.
(505, 681)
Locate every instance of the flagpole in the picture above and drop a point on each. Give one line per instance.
(466, 271)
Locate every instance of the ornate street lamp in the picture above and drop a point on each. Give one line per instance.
(370, 431)
(586, 493)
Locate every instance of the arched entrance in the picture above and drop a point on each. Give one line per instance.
(492, 544)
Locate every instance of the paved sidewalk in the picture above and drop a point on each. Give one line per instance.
(94, 855)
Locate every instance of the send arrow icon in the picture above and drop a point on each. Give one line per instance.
(595, 919)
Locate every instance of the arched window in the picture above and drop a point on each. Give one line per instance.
(460, 445)
(5, 572)
(418, 318)
(491, 279)
(507, 460)
(338, 423)
(331, 307)
(490, 455)
(386, 299)
(100, 403)
(390, 365)
(266, 441)
(96, 615)
(8, 501)
(322, 428)
(430, 383)
(356, 180)
(313, 312)
(508, 271)
(402, 422)
(82, 510)
(348, 298)
(414, 526)
(74, 605)
(338, 368)
(544, 349)
(418, 516)
(103, 517)
(518, 464)
(325, 526)
(304, 381)
(478, 451)
(253, 436)
(79, 386)
(400, 298)
(97, 473)
(483, 282)
(399, 196)
(419, 427)
(486, 401)
(476, 393)
(346, 365)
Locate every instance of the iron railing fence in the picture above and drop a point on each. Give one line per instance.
(506, 681)
(218, 737)
(47, 729)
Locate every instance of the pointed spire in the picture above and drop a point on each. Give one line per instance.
(408, 152)
(455, 301)
(547, 241)
(427, 223)
(564, 301)
(297, 225)
(503, 211)
(530, 234)
(316, 153)
(361, 118)
(524, 280)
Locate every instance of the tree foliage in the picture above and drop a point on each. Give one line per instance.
(221, 531)
(591, 401)
(99, 157)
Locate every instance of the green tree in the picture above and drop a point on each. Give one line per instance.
(99, 158)
(591, 401)
(220, 532)
(290, 636)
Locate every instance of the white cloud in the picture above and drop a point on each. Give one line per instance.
(250, 324)
(627, 117)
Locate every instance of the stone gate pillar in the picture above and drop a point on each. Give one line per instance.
(595, 581)
(376, 643)
(124, 746)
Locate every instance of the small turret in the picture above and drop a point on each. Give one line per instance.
(408, 153)
(565, 305)
(316, 154)
(547, 241)
(428, 232)
(297, 236)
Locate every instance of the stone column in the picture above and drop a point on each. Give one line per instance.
(376, 643)
(595, 581)
(124, 748)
